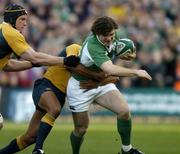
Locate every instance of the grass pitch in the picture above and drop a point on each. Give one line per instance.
(102, 138)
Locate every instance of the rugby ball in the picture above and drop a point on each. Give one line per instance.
(1, 121)
(124, 46)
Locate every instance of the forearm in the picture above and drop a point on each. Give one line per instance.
(122, 71)
(115, 70)
(82, 70)
(112, 69)
(41, 58)
(15, 65)
(47, 60)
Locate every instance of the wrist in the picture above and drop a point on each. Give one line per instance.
(136, 72)
(64, 61)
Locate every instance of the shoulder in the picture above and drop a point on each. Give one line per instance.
(73, 46)
(73, 49)
(94, 44)
(10, 32)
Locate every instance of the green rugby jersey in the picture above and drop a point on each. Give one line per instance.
(94, 53)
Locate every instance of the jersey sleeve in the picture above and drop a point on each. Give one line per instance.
(73, 50)
(98, 54)
(16, 41)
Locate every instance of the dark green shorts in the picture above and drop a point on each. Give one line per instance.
(43, 85)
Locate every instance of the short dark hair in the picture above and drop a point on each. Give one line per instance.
(12, 12)
(103, 25)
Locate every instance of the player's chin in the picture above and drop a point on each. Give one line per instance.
(107, 43)
(21, 29)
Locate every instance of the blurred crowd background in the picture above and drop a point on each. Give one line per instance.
(154, 26)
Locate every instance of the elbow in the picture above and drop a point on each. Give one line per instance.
(108, 68)
(9, 66)
(112, 71)
(109, 71)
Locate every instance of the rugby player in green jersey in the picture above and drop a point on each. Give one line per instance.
(96, 54)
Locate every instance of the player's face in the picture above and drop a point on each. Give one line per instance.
(21, 22)
(107, 39)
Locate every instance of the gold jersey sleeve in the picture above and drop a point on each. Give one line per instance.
(14, 39)
(58, 75)
(73, 50)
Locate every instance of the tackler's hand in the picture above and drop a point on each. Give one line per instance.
(71, 61)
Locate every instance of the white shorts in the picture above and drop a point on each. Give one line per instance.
(79, 99)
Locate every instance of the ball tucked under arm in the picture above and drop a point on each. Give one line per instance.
(125, 49)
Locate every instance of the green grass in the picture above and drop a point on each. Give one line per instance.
(102, 138)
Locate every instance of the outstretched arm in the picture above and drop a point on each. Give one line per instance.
(48, 60)
(41, 58)
(115, 70)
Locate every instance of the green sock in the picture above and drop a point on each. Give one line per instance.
(76, 142)
(124, 129)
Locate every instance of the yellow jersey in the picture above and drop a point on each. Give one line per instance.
(11, 41)
(58, 75)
